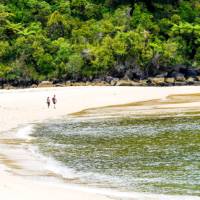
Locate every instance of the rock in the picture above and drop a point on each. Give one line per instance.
(114, 82)
(59, 85)
(25, 82)
(88, 83)
(197, 71)
(56, 81)
(180, 83)
(15, 83)
(189, 72)
(79, 84)
(102, 83)
(170, 80)
(133, 74)
(179, 68)
(177, 76)
(34, 86)
(143, 82)
(162, 75)
(198, 78)
(190, 80)
(97, 80)
(180, 77)
(84, 79)
(129, 75)
(157, 81)
(127, 83)
(197, 83)
(119, 70)
(128, 70)
(2, 82)
(18, 83)
(68, 83)
(8, 87)
(108, 79)
(46, 84)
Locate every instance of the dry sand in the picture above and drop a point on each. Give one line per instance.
(20, 107)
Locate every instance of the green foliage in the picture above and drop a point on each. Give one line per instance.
(141, 18)
(103, 56)
(4, 70)
(76, 38)
(4, 49)
(74, 65)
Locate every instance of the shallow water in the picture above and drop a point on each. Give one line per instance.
(150, 154)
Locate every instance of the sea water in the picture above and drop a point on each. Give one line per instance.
(153, 155)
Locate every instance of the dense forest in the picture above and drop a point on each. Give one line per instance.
(86, 39)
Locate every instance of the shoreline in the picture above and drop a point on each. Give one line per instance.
(187, 78)
(23, 106)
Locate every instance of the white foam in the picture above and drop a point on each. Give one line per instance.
(48, 163)
(25, 132)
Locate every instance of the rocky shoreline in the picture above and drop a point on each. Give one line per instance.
(178, 77)
(152, 81)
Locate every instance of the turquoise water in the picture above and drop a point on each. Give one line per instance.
(152, 154)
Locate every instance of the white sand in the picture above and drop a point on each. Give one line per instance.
(20, 107)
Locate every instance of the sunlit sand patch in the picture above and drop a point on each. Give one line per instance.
(13, 141)
(9, 163)
(173, 104)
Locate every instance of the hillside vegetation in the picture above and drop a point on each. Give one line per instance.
(86, 39)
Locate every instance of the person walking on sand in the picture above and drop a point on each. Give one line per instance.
(48, 102)
(54, 100)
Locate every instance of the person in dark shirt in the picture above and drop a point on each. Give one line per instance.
(54, 100)
(48, 102)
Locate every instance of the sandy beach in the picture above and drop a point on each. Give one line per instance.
(23, 106)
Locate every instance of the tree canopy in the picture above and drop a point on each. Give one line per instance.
(72, 39)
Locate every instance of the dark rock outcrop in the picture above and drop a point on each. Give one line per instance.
(180, 83)
(2, 82)
(178, 76)
(188, 72)
(162, 75)
(108, 79)
(18, 83)
(128, 69)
